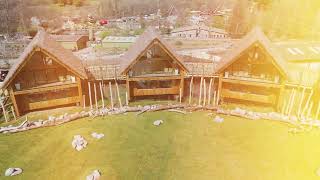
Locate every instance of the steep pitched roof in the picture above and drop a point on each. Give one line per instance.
(141, 45)
(255, 36)
(43, 41)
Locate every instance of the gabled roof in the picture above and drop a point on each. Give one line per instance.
(68, 38)
(141, 46)
(201, 27)
(255, 36)
(44, 42)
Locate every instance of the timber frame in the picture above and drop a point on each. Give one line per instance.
(45, 76)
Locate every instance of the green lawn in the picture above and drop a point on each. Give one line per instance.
(185, 147)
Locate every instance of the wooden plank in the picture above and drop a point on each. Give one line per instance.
(84, 101)
(190, 90)
(95, 95)
(118, 93)
(219, 89)
(90, 96)
(111, 96)
(204, 92)
(4, 112)
(209, 93)
(128, 89)
(45, 89)
(307, 103)
(14, 101)
(248, 97)
(101, 93)
(13, 113)
(251, 83)
(301, 101)
(80, 90)
(158, 91)
(318, 111)
(53, 103)
(200, 93)
(171, 77)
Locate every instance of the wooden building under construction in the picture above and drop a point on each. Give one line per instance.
(45, 76)
(48, 76)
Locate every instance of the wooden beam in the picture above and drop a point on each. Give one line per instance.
(190, 90)
(13, 113)
(318, 111)
(155, 78)
(111, 96)
(251, 83)
(45, 89)
(4, 112)
(200, 93)
(102, 96)
(14, 101)
(204, 92)
(80, 91)
(128, 89)
(209, 93)
(219, 89)
(90, 98)
(307, 103)
(118, 93)
(95, 95)
(53, 103)
(301, 101)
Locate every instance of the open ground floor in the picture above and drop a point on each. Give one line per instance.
(190, 146)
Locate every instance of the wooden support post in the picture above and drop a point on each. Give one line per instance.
(128, 89)
(209, 93)
(111, 96)
(84, 101)
(215, 98)
(318, 111)
(307, 103)
(292, 102)
(219, 93)
(90, 98)
(95, 95)
(4, 112)
(13, 113)
(204, 92)
(190, 90)
(182, 83)
(14, 102)
(127, 101)
(118, 93)
(80, 91)
(102, 96)
(301, 101)
(289, 103)
(200, 93)
(180, 95)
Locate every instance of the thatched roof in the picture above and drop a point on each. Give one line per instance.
(142, 44)
(69, 38)
(43, 41)
(255, 36)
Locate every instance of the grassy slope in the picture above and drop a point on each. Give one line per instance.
(184, 147)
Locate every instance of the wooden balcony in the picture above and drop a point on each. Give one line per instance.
(265, 99)
(52, 103)
(46, 88)
(158, 91)
(252, 82)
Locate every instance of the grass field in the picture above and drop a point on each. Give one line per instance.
(185, 147)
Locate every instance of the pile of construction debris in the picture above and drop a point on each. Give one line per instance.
(54, 121)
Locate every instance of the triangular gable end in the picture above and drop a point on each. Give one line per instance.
(146, 41)
(255, 38)
(43, 43)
